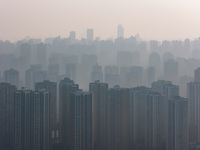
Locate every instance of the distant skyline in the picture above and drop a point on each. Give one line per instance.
(155, 19)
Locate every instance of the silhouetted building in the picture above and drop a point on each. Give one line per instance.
(72, 37)
(167, 56)
(197, 75)
(135, 76)
(66, 87)
(51, 87)
(33, 75)
(12, 76)
(150, 75)
(71, 71)
(53, 72)
(96, 73)
(7, 116)
(155, 120)
(118, 136)
(171, 71)
(137, 115)
(193, 90)
(42, 55)
(90, 35)
(112, 75)
(99, 91)
(33, 120)
(120, 31)
(165, 88)
(177, 124)
(124, 58)
(25, 55)
(81, 120)
(155, 61)
(154, 46)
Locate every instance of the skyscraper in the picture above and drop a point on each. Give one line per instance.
(75, 117)
(137, 114)
(19, 121)
(53, 72)
(118, 136)
(32, 120)
(96, 73)
(72, 37)
(154, 120)
(33, 75)
(171, 71)
(66, 87)
(81, 120)
(42, 55)
(25, 55)
(12, 76)
(120, 31)
(52, 87)
(177, 124)
(71, 71)
(90, 36)
(99, 91)
(7, 115)
(193, 91)
(111, 75)
(165, 88)
(197, 75)
(155, 61)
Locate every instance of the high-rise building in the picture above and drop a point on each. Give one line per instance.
(150, 75)
(96, 73)
(137, 114)
(197, 75)
(135, 76)
(177, 124)
(7, 116)
(193, 91)
(53, 72)
(112, 75)
(52, 87)
(90, 36)
(81, 120)
(25, 55)
(118, 136)
(72, 37)
(12, 76)
(66, 87)
(155, 120)
(42, 55)
(171, 71)
(33, 75)
(155, 61)
(120, 31)
(124, 58)
(99, 91)
(32, 120)
(165, 88)
(71, 71)
(19, 121)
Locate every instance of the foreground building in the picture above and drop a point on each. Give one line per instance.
(177, 124)
(7, 116)
(33, 120)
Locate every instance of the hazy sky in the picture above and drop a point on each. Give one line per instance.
(152, 19)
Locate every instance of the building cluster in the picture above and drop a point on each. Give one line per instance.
(103, 118)
(141, 94)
